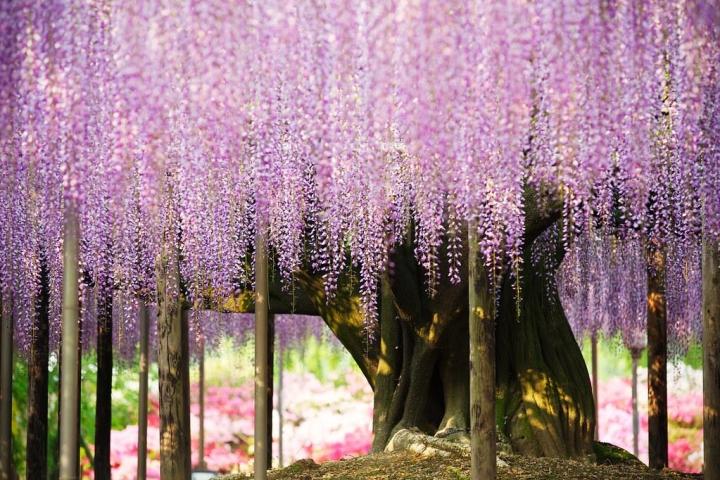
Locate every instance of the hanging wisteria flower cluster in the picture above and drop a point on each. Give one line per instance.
(335, 126)
(602, 284)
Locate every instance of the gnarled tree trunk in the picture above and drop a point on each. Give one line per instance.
(419, 369)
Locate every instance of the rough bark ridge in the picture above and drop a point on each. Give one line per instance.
(36, 451)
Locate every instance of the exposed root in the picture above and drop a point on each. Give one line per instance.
(413, 440)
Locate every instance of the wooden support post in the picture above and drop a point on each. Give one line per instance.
(657, 362)
(37, 432)
(201, 401)
(103, 403)
(596, 398)
(173, 366)
(6, 370)
(69, 378)
(635, 357)
(144, 321)
(483, 446)
(271, 385)
(281, 367)
(261, 358)
(711, 358)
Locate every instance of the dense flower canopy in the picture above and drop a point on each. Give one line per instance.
(335, 126)
(603, 287)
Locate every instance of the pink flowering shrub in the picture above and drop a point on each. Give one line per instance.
(321, 421)
(684, 420)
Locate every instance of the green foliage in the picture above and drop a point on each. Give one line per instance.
(227, 365)
(321, 359)
(19, 413)
(124, 404)
(614, 359)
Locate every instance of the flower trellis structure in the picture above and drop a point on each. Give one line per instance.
(334, 127)
(349, 131)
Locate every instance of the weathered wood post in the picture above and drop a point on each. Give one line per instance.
(173, 366)
(201, 401)
(657, 361)
(144, 324)
(103, 403)
(711, 358)
(596, 398)
(6, 368)
(69, 350)
(261, 357)
(635, 357)
(37, 445)
(281, 357)
(483, 446)
(270, 385)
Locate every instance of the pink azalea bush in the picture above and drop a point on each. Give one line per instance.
(321, 421)
(684, 416)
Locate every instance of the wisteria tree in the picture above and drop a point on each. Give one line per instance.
(397, 166)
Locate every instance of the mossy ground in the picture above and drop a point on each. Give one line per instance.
(405, 465)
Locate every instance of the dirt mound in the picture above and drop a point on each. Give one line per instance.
(406, 465)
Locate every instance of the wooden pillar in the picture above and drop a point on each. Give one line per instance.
(711, 359)
(69, 349)
(173, 365)
(657, 362)
(270, 386)
(261, 358)
(201, 401)
(144, 324)
(482, 365)
(635, 356)
(596, 398)
(6, 369)
(103, 392)
(281, 367)
(37, 432)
